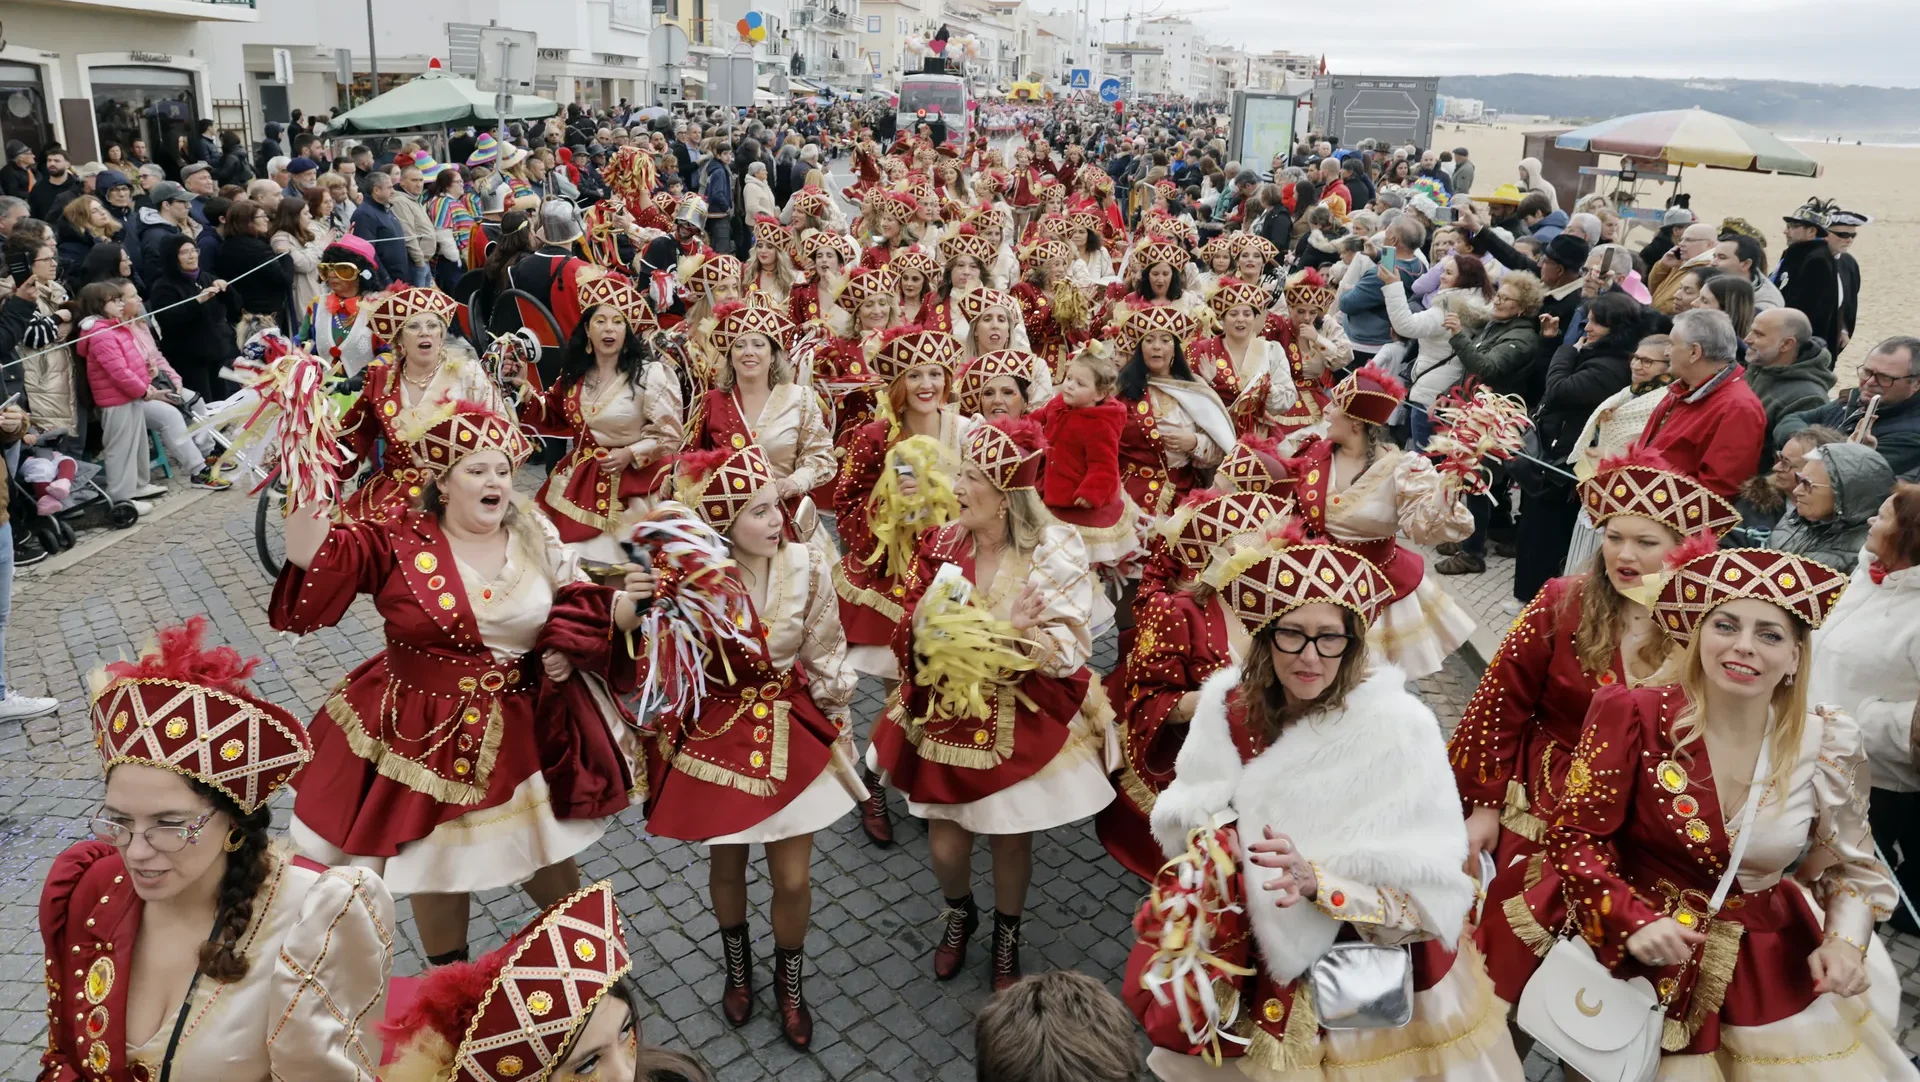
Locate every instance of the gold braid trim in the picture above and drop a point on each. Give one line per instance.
(982, 757)
(1299, 1049)
(1717, 958)
(860, 595)
(391, 764)
(557, 499)
(1536, 871)
(715, 774)
(1525, 927)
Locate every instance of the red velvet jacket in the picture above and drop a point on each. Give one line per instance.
(1083, 452)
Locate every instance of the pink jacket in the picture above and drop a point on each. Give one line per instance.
(116, 370)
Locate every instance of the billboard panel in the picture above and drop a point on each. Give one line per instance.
(1390, 109)
(1262, 126)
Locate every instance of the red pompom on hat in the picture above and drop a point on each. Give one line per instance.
(185, 708)
(1694, 547)
(1370, 395)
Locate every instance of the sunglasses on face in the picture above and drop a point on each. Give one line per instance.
(1840, 235)
(341, 271)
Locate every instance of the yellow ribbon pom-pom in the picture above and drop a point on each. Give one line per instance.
(896, 519)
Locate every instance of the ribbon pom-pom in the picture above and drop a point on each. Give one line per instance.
(963, 649)
(1195, 909)
(896, 519)
(289, 417)
(1470, 432)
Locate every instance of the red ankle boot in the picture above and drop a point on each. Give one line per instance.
(951, 953)
(796, 1022)
(1006, 951)
(737, 998)
(873, 810)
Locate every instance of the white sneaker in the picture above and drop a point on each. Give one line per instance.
(148, 492)
(18, 707)
(141, 508)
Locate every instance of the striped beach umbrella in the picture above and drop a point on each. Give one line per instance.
(1691, 137)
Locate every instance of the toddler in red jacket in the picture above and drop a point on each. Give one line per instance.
(1081, 484)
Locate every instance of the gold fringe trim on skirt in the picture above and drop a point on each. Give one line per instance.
(1525, 927)
(861, 595)
(391, 764)
(1718, 956)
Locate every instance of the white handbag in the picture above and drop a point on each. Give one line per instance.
(1603, 1027)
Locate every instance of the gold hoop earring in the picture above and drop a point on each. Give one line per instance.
(235, 839)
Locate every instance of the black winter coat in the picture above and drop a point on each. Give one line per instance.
(264, 291)
(1579, 380)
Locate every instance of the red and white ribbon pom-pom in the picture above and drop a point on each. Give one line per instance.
(288, 416)
(698, 606)
(1194, 908)
(1470, 431)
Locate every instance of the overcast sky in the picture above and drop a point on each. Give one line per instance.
(1820, 41)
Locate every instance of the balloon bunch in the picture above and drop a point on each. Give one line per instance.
(752, 27)
(1473, 431)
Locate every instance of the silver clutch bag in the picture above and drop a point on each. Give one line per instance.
(1363, 986)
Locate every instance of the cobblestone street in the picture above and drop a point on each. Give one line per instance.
(879, 1014)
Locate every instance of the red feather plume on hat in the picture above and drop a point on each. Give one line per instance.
(966, 229)
(701, 463)
(448, 996)
(1384, 379)
(1201, 495)
(1025, 432)
(1694, 547)
(1265, 445)
(1636, 455)
(763, 218)
(180, 656)
(726, 308)
(892, 333)
(1310, 278)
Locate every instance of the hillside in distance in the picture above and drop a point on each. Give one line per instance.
(1778, 105)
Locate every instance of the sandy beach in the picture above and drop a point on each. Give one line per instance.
(1864, 178)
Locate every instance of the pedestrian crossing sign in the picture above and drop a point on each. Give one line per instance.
(1080, 79)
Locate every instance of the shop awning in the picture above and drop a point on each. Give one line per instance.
(800, 86)
(693, 75)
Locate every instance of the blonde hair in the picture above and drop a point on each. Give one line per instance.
(778, 371)
(1601, 608)
(1106, 378)
(1027, 520)
(1789, 708)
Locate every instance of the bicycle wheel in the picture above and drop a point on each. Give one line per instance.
(269, 541)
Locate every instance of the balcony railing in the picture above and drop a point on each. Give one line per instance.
(700, 31)
(839, 67)
(776, 47)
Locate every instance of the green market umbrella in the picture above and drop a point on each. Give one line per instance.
(435, 100)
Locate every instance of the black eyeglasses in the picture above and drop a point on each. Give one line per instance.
(1330, 645)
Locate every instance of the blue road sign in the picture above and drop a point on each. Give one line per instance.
(1080, 79)
(1110, 90)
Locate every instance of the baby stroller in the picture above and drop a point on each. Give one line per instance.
(85, 505)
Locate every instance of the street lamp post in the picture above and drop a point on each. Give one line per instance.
(373, 54)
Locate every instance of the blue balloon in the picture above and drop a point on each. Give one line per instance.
(753, 20)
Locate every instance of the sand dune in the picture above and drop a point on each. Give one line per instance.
(1864, 178)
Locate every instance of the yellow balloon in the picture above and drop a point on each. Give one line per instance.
(759, 33)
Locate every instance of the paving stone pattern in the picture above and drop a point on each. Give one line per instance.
(879, 1014)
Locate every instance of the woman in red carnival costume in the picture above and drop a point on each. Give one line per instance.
(989, 321)
(917, 368)
(1099, 201)
(1089, 243)
(768, 760)
(884, 220)
(1256, 260)
(756, 403)
(1158, 271)
(1216, 261)
(713, 279)
(1004, 756)
(555, 1003)
(812, 210)
(826, 257)
(916, 273)
(1262, 801)
(1239, 361)
(490, 623)
(964, 256)
(867, 305)
(1184, 635)
(1514, 745)
(1775, 983)
(1024, 193)
(400, 388)
(295, 967)
(1177, 429)
(771, 276)
(621, 406)
(1000, 384)
(1055, 311)
(866, 170)
(1320, 352)
(1361, 490)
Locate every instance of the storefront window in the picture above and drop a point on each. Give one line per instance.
(23, 107)
(154, 104)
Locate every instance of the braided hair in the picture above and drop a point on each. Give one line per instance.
(247, 868)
